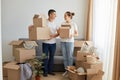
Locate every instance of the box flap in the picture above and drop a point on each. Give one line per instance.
(16, 42)
(12, 65)
(15, 67)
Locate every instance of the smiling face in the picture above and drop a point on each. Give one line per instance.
(52, 15)
(66, 17)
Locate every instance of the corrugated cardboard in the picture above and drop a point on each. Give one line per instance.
(78, 43)
(91, 59)
(23, 54)
(5, 74)
(75, 76)
(39, 20)
(13, 71)
(39, 33)
(64, 32)
(19, 44)
(16, 44)
(82, 56)
(94, 74)
(75, 50)
(98, 65)
(5, 78)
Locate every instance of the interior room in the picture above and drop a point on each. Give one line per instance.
(25, 30)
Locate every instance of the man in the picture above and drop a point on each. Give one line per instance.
(49, 46)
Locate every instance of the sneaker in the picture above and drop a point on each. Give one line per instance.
(65, 73)
(45, 75)
(51, 73)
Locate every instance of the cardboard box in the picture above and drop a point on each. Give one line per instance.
(76, 49)
(94, 74)
(16, 44)
(66, 25)
(82, 56)
(98, 65)
(5, 74)
(75, 76)
(64, 32)
(13, 71)
(91, 74)
(23, 54)
(5, 78)
(39, 20)
(38, 33)
(19, 44)
(79, 43)
(91, 59)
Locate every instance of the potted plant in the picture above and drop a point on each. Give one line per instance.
(37, 66)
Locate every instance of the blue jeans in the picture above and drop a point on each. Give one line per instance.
(49, 50)
(67, 51)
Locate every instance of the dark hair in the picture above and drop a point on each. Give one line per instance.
(70, 14)
(51, 11)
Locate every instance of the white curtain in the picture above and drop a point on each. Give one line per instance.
(104, 24)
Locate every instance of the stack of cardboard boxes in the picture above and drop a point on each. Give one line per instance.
(89, 62)
(11, 70)
(39, 31)
(24, 50)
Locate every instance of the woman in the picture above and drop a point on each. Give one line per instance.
(67, 44)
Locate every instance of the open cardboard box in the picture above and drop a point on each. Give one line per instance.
(78, 44)
(76, 76)
(16, 44)
(19, 44)
(91, 74)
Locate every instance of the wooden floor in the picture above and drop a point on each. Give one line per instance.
(58, 76)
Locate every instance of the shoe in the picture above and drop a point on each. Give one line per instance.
(65, 73)
(51, 73)
(45, 75)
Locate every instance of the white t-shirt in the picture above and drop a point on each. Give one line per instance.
(73, 28)
(53, 29)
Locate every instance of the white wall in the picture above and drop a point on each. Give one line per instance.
(17, 15)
